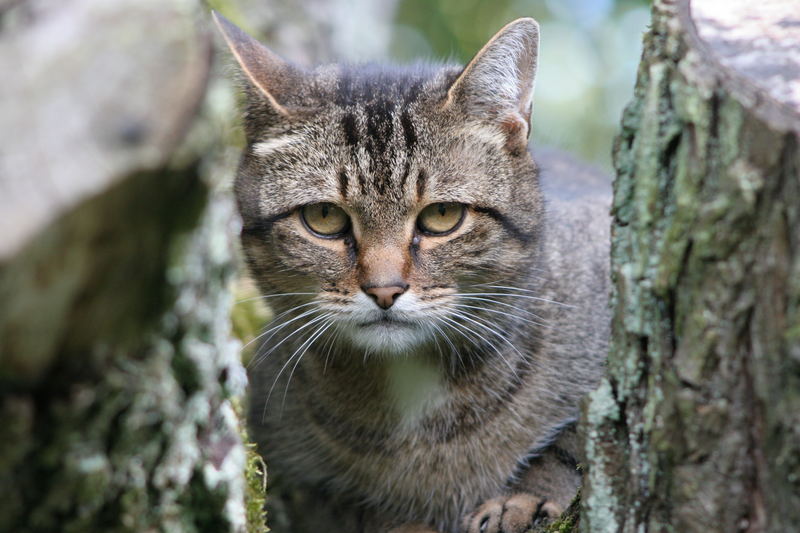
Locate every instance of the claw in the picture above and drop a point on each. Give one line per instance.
(512, 514)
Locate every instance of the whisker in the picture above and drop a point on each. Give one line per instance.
(288, 361)
(463, 315)
(530, 291)
(334, 340)
(458, 328)
(504, 304)
(297, 330)
(497, 311)
(316, 335)
(265, 296)
(463, 330)
(447, 339)
(282, 324)
(537, 298)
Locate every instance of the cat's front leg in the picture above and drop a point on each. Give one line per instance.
(538, 494)
(515, 513)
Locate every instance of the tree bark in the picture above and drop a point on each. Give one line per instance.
(697, 427)
(116, 364)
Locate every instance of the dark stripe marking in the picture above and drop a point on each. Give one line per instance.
(409, 133)
(264, 225)
(350, 129)
(343, 181)
(422, 178)
(509, 226)
(404, 175)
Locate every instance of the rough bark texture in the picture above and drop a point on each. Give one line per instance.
(697, 427)
(116, 363)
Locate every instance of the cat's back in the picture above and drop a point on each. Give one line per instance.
(575, 260)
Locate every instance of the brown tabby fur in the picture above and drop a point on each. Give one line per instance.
(457, 418)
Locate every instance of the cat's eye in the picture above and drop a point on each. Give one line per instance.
(441, 218)
(325, 219)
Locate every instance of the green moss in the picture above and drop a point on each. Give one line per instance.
(568, 522)
(255, 473)
(256, 491)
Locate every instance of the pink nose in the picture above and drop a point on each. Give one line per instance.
(385, 296)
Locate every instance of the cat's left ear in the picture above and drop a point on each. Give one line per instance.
(271, 76)
(497, 85)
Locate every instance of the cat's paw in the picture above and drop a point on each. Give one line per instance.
(516, 513)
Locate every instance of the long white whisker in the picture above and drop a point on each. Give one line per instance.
(281, 324)
(497, 311)
(520, 289)
(316, 335)
(537, 298)
(260, 353)
(504, 304)
(458, 328)
(463, 330)
(334, 340)
(288, 361)
(447, 339)
(495, 332)
(297, 330)
(265, 296)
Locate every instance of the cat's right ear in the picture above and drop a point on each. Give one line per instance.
(497, 85)
(270, 75)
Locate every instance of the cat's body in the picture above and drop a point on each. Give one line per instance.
(437, 323)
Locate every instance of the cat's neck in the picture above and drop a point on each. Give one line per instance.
(405, 389)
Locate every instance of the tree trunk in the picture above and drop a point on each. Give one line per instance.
(116, 364)
(697, 427)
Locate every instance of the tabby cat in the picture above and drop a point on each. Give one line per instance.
(437, 322)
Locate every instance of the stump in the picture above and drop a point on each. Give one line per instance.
(697, 427)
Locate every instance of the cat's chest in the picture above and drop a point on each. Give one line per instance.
(414, 389)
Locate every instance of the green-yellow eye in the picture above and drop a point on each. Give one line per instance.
(441, 218)
(325, 219)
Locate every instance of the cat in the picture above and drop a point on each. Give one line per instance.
(437, 321)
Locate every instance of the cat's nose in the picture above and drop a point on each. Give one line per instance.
(385, 296)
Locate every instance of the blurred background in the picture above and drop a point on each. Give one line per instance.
(588, 57)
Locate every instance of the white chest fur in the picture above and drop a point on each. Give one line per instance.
(415, 387)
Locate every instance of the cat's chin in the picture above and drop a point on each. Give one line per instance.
(389, 337)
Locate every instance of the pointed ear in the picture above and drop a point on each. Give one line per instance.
(270, 75)
(497, 85)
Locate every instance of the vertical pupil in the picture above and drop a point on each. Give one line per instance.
(325, 209)
(442, 209)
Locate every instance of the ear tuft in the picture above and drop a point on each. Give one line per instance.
(497, 85)
(266, 71)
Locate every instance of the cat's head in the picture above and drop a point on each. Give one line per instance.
(382, 194)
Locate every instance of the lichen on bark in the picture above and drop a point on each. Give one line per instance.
(703, 367)
(118, 367)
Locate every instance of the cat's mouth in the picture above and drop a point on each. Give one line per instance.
(385, 320)
(387, 334)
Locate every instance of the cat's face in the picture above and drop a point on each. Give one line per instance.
(381, 196)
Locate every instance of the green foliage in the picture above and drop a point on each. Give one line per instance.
(248, 317)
